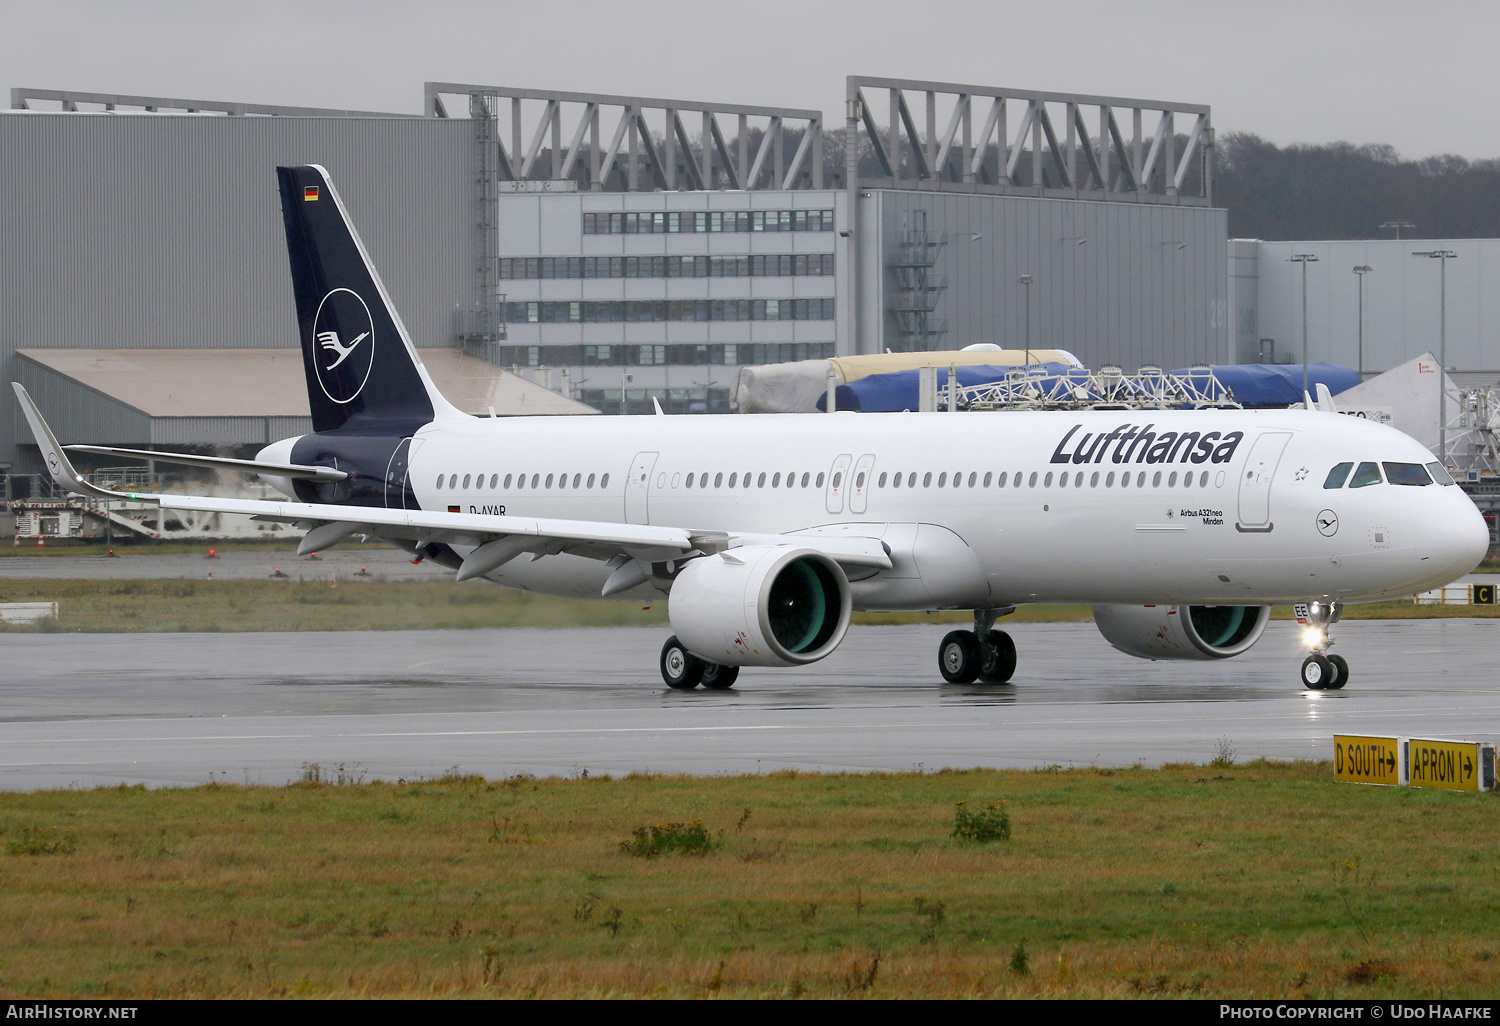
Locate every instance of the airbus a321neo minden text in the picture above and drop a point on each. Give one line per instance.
(1180, 528)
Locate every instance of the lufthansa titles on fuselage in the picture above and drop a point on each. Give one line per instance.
(1146, 446)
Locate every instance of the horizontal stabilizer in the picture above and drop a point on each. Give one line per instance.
(293, 470)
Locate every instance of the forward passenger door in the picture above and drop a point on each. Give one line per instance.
(1255, 482)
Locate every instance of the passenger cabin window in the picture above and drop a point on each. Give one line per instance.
(1406, 474)
(1440, 474)
(1367, 474)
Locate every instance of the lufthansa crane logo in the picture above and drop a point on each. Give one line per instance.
(343, 345)
(1328, 523)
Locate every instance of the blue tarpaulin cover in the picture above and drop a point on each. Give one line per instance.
(1252, 384)
(1279, 384)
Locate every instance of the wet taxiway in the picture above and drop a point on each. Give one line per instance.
(83, 710)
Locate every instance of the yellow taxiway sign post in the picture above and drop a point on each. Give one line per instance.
(1360, 759)
(1452, 765)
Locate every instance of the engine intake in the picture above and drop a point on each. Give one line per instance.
(1182, 632)
(761, 605)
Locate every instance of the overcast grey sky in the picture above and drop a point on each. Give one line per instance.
(1421, 77)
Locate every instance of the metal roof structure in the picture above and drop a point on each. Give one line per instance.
(233, 396)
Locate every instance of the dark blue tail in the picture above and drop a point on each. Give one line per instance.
(363, 374)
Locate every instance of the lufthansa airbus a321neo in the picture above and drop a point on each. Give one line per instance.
(1180, 528)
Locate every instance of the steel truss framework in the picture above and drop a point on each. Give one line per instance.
(78, 102)
(1028, 143)
(1108, 388)
(650, 145)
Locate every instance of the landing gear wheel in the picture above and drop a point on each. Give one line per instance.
(958, 657)
(719, 677)
(997, 662)
(1340, 672)
(1317, 673)
(680, 668)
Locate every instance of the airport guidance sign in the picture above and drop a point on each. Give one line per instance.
(1414, 762)
(1359, 759)
(1453, 765)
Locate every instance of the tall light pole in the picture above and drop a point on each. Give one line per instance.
(1361, 271)
(1442, 256)
(1304, 259)
(1398, 225)
(1026, 280)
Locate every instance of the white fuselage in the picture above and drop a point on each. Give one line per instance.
(992, 508)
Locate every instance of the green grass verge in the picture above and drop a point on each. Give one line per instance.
(162, 605)
(66, 547)
(1265, 880)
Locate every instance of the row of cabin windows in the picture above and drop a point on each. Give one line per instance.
(1368, 473)
(538, 481)
(791, 479)
(943, 480)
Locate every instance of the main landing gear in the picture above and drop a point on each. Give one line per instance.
(1321, 671)
(684, 671)
(983, 654)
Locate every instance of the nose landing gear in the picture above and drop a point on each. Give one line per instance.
(983, 654)
(1321, 671)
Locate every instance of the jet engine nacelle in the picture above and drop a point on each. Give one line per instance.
(1182, 632)
(761, 605)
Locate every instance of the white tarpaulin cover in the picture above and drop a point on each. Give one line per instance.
(1405, 397)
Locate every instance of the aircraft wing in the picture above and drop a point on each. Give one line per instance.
(331, 523)
(495, 539)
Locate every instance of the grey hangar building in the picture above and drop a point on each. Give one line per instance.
(558, 252)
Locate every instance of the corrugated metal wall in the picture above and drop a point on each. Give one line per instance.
(1119, 283)
(1402, 294)
(165, 230)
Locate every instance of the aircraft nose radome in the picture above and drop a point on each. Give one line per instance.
(1467, 540)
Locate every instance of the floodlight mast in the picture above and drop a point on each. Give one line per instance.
(1442, 256)
(1362, 270)
(1304, 259)
(1026, 280)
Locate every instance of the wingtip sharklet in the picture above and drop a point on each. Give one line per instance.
(58, 465)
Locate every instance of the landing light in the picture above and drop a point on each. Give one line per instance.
(1312, 637)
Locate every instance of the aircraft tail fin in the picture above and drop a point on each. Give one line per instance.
(363, 372)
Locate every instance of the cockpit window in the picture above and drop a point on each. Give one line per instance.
(1440, 474)
(1407, 474)
(1367, 474)
(1338, 475)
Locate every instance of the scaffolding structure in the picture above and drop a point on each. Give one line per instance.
(1108, 388)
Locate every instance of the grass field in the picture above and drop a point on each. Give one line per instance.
(1259, 880)
(153, 605)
